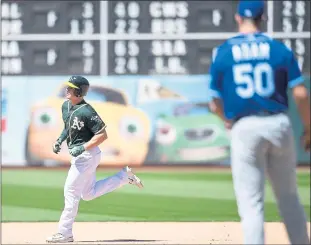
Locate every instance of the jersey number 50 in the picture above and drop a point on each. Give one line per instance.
(250, 79)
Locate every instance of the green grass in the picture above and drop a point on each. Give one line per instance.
(174, 196)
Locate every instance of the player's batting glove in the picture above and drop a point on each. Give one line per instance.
(56, 147)
(76, 151)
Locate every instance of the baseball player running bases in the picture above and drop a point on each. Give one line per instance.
(250, 76)
(84, 131)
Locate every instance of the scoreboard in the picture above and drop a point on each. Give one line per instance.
(133, 37)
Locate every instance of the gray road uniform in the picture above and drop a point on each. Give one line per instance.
(251, 74)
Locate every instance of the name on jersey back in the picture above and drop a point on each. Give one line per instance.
(251, 51)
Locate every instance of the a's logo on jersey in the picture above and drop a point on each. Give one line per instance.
(77, 124)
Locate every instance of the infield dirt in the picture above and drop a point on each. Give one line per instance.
(141, 233)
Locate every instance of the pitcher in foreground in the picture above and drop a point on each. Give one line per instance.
(251, 74)
(84, 131)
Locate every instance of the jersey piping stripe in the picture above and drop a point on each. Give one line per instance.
(101, 129)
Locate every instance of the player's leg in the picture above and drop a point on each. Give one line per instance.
(74, 186)
(94, 189)
(248, 158)
(78, 173)
(281, 169)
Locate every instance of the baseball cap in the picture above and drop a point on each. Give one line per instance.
(77, 82)
(251, 9)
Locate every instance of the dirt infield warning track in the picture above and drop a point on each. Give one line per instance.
(141, 233)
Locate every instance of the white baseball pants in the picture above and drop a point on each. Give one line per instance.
(81, 183)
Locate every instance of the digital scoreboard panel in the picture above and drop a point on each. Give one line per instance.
(133, 37)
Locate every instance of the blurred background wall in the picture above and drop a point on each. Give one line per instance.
(148, 64)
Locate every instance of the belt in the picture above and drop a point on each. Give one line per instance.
(259, 113)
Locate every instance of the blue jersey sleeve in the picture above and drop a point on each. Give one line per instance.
(294, 74)
(216, 77)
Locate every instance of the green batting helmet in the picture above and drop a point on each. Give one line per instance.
(79, 84)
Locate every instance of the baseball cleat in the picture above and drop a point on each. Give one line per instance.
(59, 238)
(133, 179)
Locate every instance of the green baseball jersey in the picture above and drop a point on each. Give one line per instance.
(81, 123)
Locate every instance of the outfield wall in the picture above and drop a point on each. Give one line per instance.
(151, 120)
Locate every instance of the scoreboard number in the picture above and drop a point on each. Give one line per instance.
(134, 37)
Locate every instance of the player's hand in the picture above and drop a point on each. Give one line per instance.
(77, 150)
(306, 139)
(228, 124)
(56, 147)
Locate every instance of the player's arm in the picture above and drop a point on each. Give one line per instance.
(300, 95)
(96, 140)
(59, 141)
(213, 85)
(64, 133)
(215, 104)
(98, 127)
(62, 137)
(302, 101)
